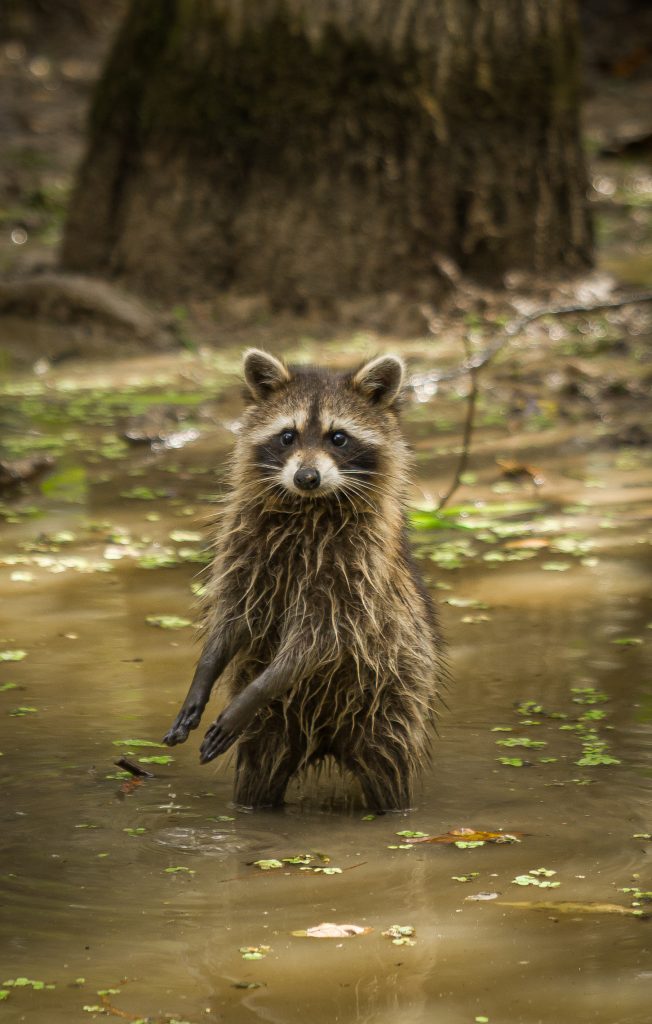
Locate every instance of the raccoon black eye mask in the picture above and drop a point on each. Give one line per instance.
(315, 618)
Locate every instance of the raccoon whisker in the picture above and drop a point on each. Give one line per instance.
(349, 498)
(360, 494)
(342, 513)
(355, 480)
(269, 488)
(360, 476)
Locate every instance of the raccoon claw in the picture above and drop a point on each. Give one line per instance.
(217, 741)
(187, 719)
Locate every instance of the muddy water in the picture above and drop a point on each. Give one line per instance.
(90, 901)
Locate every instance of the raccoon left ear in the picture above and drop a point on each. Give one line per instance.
(381, 380)
(264, 373)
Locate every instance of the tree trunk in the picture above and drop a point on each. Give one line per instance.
(315, 149)
(44, 22)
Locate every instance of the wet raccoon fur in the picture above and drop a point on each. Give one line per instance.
(315, 614)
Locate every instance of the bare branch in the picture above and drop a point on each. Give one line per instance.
(480, 359)
(474, 363)
(474, 373)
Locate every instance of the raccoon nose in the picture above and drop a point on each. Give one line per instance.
(307, 478)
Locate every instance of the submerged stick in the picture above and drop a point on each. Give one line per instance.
(133, 769)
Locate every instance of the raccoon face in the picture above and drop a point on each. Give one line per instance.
(312, 433)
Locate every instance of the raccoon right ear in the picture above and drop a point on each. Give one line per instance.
(264, 373)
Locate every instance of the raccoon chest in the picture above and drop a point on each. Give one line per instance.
(303, 591)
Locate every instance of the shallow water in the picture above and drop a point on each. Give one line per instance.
(85, 898)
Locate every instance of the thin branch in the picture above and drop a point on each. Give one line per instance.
(474, 373)
(476, 362)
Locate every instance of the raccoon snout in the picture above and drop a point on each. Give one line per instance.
(307, 478)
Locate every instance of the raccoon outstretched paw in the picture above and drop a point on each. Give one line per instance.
(187, 719)
(218, 739)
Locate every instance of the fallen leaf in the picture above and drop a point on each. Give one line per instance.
(254, 952)
(12, 655)
(167, 621)
(328, 930)
(533, 878)
(400, 934)
(518, 470)
(268, 865)
(470, 835)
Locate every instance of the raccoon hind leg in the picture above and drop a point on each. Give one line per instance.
(385, 787)
(386, 768)
(265, 763)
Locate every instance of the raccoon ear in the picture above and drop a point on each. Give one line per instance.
(263, 373)
(381, 380)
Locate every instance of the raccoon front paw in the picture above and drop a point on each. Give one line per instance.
(218, 739)
(187, 719)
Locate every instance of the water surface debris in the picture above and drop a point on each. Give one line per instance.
(134, 769)
(467, 835)
(329, 930)
(572, 907)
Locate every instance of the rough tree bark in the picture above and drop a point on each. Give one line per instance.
(313, 149)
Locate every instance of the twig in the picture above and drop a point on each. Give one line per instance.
(474, 372)
(476, 362)
(133, 769)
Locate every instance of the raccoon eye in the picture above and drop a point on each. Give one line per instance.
(339, 438)
(288, 437)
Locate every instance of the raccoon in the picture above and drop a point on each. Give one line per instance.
(315, 615)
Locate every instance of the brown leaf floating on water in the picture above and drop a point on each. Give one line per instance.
(329, 930)
(470, 835)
